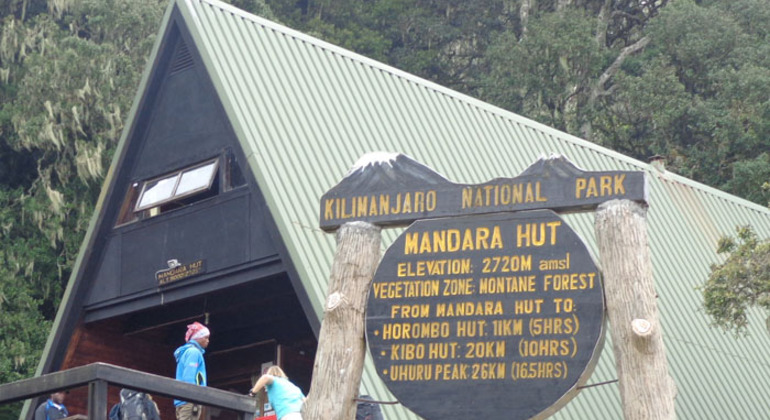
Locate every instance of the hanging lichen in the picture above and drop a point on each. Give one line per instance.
(66, 72)
(89, 161)
(57, 8)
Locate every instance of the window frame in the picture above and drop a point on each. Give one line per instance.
(178, 175)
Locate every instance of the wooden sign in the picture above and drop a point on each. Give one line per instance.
(177, 271)
(497, 316)
(398, 190)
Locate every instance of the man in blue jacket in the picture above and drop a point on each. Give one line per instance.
(53, 408)
(190, 367)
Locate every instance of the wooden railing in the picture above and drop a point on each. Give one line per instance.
(97, 376)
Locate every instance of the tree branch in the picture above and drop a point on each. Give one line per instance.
(615, 66)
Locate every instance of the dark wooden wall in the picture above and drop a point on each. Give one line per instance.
(105, 342)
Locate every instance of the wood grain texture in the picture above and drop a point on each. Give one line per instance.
(647, 390)
(341, 346)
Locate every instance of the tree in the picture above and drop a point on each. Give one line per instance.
(548, 74)
(557, 60)
(698, 95)
(740, 282)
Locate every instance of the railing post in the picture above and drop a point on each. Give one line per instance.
(97, 400)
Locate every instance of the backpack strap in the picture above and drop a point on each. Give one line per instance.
(48, 405)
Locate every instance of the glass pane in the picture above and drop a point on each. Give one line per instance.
(196, 179)
(157, 191)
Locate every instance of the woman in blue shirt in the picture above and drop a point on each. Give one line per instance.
(285, 397)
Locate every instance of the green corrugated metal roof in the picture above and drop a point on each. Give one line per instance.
(305, 111)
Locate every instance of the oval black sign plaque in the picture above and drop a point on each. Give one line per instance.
(490, 316)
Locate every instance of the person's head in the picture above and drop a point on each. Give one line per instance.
(276, 371)
(58, 397)
(198, 332)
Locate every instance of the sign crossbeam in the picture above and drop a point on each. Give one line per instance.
(411, 191)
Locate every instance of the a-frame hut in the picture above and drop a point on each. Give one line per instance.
(210, 213)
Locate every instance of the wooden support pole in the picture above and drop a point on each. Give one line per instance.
(339, 359)
(97, 399)
(647, 391)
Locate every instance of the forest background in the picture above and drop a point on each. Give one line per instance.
(688, 80)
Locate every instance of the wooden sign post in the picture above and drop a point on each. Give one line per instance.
(646, 388)
(341, 348)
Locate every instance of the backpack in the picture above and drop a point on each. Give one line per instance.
(368, 410)
(134, 405)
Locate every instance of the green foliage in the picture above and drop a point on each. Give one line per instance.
(547, 74)
(697, 95)
(443, 41)
(750, 178)
(23, 330)
(67, 76)
(742, 281)
(256, 7)
(23, 9)
(644, 102)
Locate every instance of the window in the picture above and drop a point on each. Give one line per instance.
(176, 186)
(145, 199)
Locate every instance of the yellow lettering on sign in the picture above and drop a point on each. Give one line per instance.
(561, 264)
(384, 204)
(434, 267)
(469, 309)
(453, 240)
(488, 370)
(502, 195)
(407, 351)
(471, 328)
(506, 264)
(508, 284)
(442, 350)
(455, 287)
(552, 326)
(410, 372)
(538, 370)
(600, 186)
(568, 281)
(536, 234)
(527, 306)
(410, 311)
(452, 371)
(544, 348)
(404, 331)
(485, 349)
(362, 206)
(406, 289)
(507, 327)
